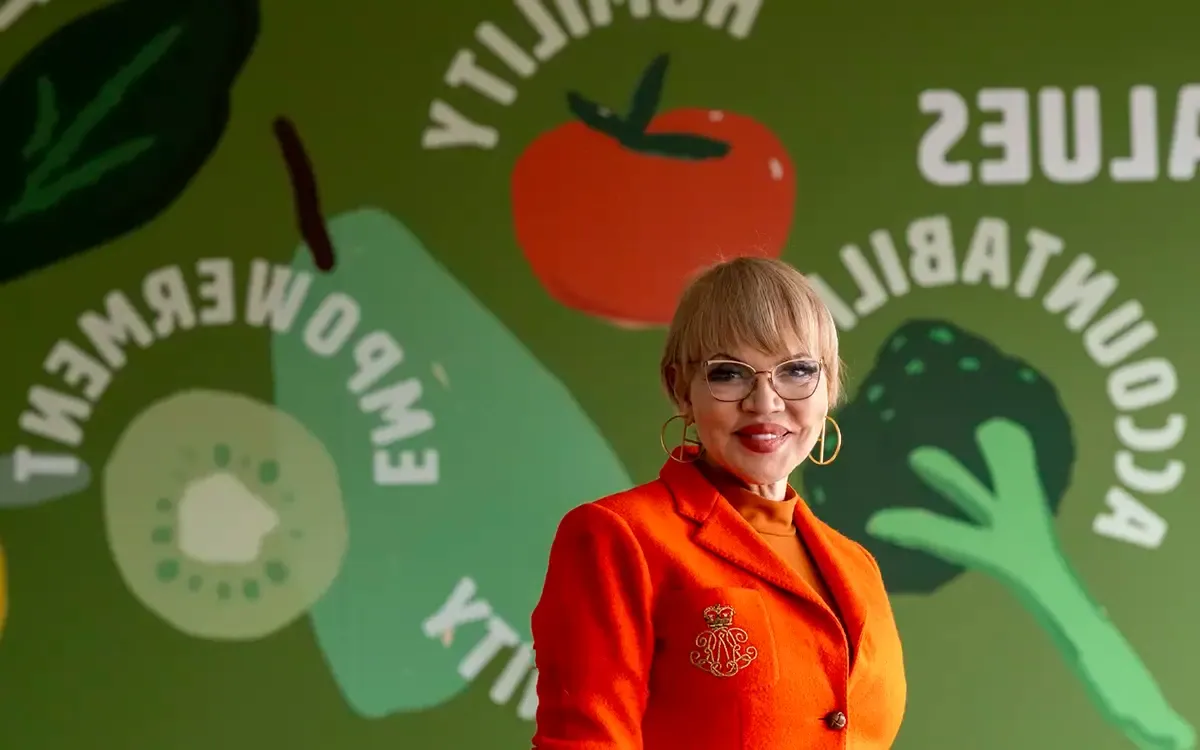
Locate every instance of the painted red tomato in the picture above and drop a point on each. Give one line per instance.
(615, 214)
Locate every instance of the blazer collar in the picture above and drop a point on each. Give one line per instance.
(724, 532)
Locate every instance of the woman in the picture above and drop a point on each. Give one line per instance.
(710, 608)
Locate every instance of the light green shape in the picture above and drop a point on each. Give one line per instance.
(515, 453)
(942, 335)
(17, 490)
(146, 479)
(1012, 539)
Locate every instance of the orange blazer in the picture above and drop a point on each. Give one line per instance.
(666, 623)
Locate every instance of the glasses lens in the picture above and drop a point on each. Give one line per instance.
(797, 379)
(729, 381)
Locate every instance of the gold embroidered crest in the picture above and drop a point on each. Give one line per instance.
(723, 648)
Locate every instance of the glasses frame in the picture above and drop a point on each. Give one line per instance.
(708, 363)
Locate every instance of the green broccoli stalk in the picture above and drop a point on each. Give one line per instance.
(979, 447)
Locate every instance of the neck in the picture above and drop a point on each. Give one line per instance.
(771, 491)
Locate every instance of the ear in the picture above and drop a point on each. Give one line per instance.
(683, 403)
(833, 387)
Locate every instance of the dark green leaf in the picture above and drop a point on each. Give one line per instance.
(678, 145)
(595, 116)
(108, 120)
(647, 94)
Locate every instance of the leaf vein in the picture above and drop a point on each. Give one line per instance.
(100, 106)
(85, 176)
(46, 121)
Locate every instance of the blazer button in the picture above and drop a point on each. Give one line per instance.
(835, 720)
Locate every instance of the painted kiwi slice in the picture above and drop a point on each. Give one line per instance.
(224, 514)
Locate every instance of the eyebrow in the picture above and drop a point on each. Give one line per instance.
(789, 358)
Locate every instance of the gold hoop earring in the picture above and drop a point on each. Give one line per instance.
(683, 442)
(822, 461)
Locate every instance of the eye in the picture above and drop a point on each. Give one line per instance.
(799, 370)
(727, 372)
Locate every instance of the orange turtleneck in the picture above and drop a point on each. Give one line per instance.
(774, 522)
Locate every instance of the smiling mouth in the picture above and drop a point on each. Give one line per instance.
(764, 436)
(763, 441)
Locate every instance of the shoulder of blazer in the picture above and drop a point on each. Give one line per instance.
(848, 548)
(871, 566)
(649, 511)
(643, 505)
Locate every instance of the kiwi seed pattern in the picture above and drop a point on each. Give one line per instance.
(231, 529)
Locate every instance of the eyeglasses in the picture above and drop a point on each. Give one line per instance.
(794, 380)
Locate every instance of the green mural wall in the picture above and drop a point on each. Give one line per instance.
(318, 317)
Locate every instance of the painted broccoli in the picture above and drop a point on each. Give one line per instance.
(972, 450)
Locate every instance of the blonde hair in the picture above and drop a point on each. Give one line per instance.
(755, 302)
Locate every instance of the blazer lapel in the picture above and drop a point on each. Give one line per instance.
(725, 533)
(841, 567)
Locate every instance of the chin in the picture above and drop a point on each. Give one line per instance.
(765, 471)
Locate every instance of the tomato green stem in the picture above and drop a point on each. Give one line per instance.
(631, 130)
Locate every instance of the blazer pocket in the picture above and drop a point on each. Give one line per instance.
(716, 639)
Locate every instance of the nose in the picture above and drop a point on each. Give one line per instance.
(763, 399)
